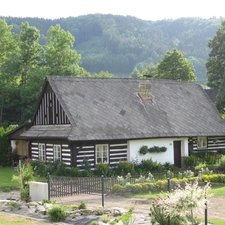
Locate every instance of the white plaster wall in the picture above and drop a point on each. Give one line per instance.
(162, 157)
(13, 144)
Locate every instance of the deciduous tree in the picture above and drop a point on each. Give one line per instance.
(103, 74)
(215, 65)
(60, 58)
(175, 67)
(8, 49)
(30, 50)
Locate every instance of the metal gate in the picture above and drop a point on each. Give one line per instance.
(67, 186)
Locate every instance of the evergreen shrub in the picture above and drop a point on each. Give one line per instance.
(57, 213)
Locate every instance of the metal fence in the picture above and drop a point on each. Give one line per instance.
(67, 186)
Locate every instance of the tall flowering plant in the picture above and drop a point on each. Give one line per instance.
(180, 206)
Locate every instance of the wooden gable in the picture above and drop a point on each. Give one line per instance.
(50, 111)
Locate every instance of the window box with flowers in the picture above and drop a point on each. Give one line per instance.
(155, 149)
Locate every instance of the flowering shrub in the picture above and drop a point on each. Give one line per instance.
(186, 174)
(117, 188)
(143, 179)
(169, 174)
(123, 181)
(213, 178)
(179, 206)
(203, 172)
(161, 185)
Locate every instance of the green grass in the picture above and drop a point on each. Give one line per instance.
(6, 174)
(214, 222)
(217, 191)
(7, 219)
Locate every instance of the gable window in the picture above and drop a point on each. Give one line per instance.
(57, 152)
(102, 153)
(202, 142)
(41, 150)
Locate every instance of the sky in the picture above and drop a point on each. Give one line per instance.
(143, 9)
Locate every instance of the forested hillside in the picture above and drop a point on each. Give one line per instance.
(117, 43)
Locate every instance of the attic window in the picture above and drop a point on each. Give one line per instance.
(145, 90)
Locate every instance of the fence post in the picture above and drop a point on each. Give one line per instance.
(48, 186)
(102, 191)
(168, 184)
(206, 213)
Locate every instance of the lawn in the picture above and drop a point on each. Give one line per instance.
(6, 174)
(215, 191)
(8, 219)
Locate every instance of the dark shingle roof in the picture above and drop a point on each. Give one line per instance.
(100, 108)
(212, 93)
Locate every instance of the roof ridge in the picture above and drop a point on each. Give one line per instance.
(52, 77)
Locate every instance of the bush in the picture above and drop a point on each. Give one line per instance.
(221, 151)
(57, 213)
(117, 189)
(212, 178)
(169, 166)
(179, 207)
(102, 169)
(57, 168)
(161, 185)
(222, 162)
(190, 161)
(82, 206)
(210, 158)
(74, 172)
(200, 166)
(149, 165)
(124, 167)
(157, 215)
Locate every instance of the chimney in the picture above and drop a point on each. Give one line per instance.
(145, 90)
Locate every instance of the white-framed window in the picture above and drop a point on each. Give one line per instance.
(202, 142)
(102, 154)
(41, 150)
(57, 152)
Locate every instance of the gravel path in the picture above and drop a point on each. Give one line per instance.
(216, 206)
